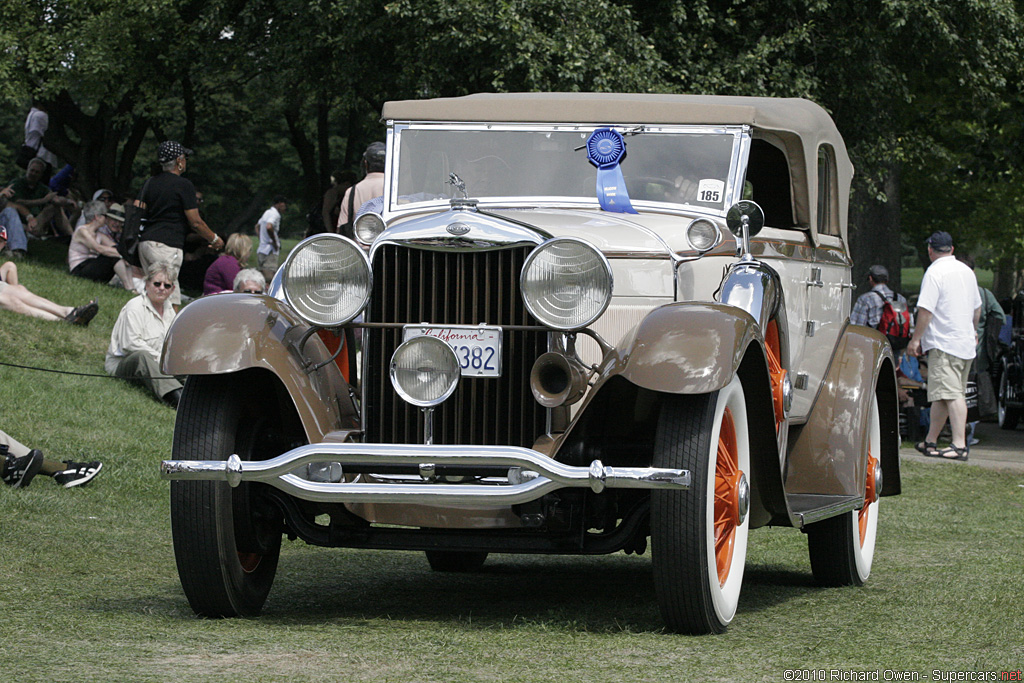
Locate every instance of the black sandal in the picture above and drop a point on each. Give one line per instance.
(81, 315)
(961, 453)
(929, 448)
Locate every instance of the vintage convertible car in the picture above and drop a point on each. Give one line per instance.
(584, 320)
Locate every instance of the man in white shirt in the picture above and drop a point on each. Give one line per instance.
(366, 189)
(137, 339)
(269, 229)
(948, 310)
(36, 124)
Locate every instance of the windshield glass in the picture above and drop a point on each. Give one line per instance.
(674, 166)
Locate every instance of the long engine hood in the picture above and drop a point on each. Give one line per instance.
(496, 229)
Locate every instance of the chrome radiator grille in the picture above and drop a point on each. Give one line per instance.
(453, 288)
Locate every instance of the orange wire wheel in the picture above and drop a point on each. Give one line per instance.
(777, 374)
(727, 503)
(870, 497)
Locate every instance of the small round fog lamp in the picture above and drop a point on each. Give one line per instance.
(702, 235)
(368, 226)
(424, 371)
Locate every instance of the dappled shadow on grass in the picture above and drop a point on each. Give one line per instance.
(587, 594)
(596, 594)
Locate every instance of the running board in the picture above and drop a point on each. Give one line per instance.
(808, 508)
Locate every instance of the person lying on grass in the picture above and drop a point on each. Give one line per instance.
(17, 298)
(20, 464)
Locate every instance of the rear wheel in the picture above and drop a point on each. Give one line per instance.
(842, 548)
(455, 561)
(699, 536)
(226, 540)
(1008, 416)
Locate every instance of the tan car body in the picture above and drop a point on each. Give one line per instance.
(673, 356)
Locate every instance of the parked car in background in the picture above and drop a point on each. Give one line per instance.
(1010, 397)
(588, 320)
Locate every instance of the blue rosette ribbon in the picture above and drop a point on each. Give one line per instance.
(605, 149)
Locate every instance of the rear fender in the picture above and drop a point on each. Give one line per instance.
(828, 454)
(228, 333)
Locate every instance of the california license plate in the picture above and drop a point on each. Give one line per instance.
(478, 347)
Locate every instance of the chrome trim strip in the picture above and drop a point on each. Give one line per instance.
(553, 475)
(833, 510)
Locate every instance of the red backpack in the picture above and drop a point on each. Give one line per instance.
(895, 322)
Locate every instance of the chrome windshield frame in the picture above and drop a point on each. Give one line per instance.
(733, 181)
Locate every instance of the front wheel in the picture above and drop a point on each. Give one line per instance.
(842, 548)
(699, 536)
(226, 540)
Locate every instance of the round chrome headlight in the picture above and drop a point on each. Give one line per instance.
(425, 371)
(566, 283)
(368, 226)
(327, 280)
(702, 235)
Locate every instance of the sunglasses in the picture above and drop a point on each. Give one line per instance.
(253, 291)
(162, 285)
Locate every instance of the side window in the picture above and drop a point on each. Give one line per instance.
(769, 185)
(828, 209)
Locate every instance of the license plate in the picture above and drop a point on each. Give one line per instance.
(478, 347)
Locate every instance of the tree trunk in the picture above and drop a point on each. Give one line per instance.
(245, 220)
(323, 132)
(306, 151)
(1006, 281)
(875, 232)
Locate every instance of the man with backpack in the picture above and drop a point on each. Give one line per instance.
(883, 309)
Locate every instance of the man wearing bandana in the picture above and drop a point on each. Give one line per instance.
(172, 210)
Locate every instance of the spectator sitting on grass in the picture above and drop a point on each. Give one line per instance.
(93, 253)
(138, 336)
(220, 276)
(17, 299)
(19, 464)
(38, 205)
(250, 281)
(11, 220)
(101, 195)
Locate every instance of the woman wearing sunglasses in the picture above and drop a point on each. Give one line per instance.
(138, 336)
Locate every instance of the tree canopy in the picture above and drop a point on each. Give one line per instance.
(275, 94)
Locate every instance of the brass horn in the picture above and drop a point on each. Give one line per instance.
(557, 380)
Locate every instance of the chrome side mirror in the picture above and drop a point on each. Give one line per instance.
(745, 219)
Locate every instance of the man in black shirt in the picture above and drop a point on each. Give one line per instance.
(171, 211)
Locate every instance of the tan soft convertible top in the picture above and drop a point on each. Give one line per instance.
(801, 126)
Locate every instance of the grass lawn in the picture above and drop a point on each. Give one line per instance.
(90, 589)
(911, 279)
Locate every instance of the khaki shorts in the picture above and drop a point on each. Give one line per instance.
(947, 376)
(151, 253)
(267, 263)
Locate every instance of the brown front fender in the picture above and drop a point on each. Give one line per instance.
(228, 333)
(681, 348)
(687, 348)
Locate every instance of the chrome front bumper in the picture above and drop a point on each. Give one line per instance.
(531, 474)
